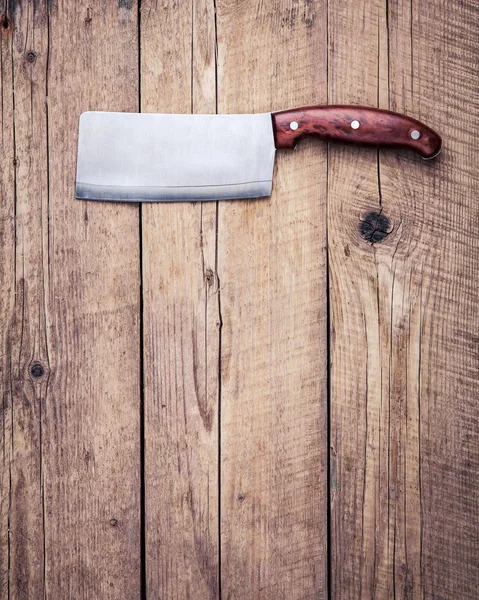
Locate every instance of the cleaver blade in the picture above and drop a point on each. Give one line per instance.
(151, 157)
(141, 157)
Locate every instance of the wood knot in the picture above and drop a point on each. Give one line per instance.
(89, 15)
(374, 227)
(241, 497)
(37, 371)
(113, 522)
(126, 4)
(209, 277)
(31, 56)
(5, 24)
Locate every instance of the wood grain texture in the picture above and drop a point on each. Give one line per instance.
(234, 487)
(404, 377)
(181, 325)
(442, 205)
(271, 265)
(7, 295)
(359, 494)
(374, 127)
(70, 357)
(27, 338)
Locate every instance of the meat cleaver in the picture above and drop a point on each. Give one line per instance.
(140, 157)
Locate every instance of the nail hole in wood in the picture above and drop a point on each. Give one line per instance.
(31, 56)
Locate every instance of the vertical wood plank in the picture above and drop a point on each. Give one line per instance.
(28, 339)
(271, 263)
(7, 295)
(72, 348)
(404, 468)
(359, 332)
(433, 50)
(181, 324)
(94, 287)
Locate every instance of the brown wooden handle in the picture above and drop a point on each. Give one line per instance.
(355, 125)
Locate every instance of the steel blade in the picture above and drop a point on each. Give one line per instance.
(139, 157)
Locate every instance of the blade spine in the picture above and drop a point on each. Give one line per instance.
(149, 114)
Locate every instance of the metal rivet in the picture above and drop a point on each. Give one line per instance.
(293, 125)
(415, 134)
(355, 124)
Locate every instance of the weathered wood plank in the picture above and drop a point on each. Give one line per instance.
(181, 324)
(7, 295)
(271, 264)
(93, 532)
(359, 411)
(404, 374)
(72, 347)
(27, 345)
(433, 72)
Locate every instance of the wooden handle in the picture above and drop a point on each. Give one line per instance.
(355, 125)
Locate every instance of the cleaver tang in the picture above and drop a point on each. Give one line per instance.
(142, 157)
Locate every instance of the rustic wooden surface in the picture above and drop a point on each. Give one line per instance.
(262, 399)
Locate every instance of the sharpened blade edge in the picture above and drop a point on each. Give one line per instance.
(113, 193)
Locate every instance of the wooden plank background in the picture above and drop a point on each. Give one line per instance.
(267, 399)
